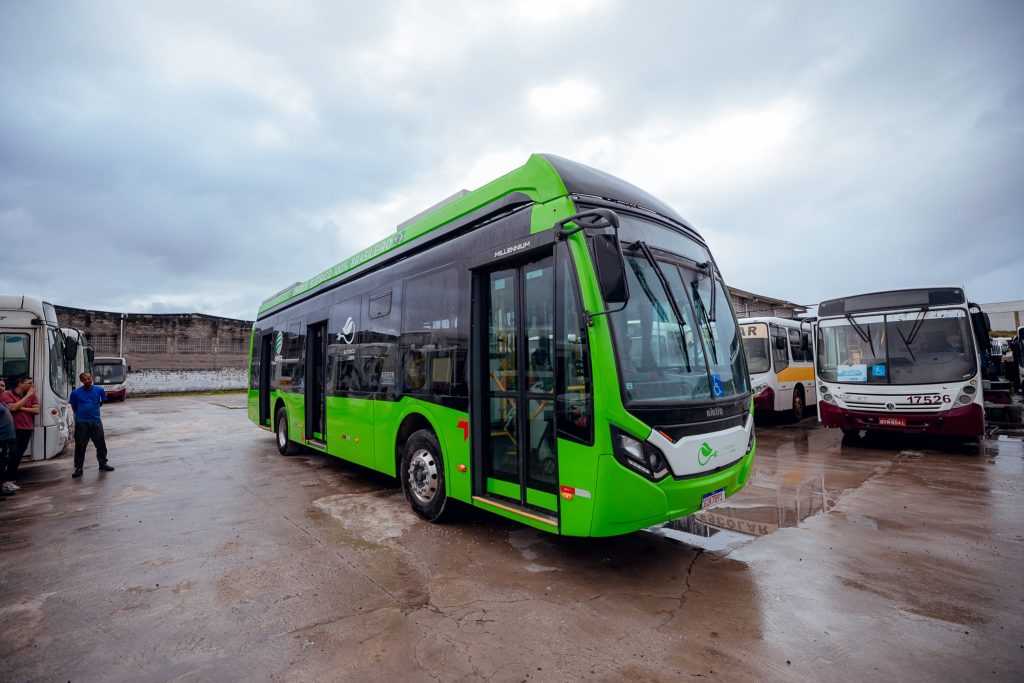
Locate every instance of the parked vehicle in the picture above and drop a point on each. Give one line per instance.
(780, 358)
(111, 373)
(557, 347)
(32, 344)
(905, 360)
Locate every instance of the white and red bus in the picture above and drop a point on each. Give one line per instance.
(905, 360)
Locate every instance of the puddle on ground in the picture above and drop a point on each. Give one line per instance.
(371, 517)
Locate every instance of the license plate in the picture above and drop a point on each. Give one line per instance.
(712, 499)
(892, 421)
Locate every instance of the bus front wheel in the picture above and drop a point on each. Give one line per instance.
(422, 475)
(284, 445)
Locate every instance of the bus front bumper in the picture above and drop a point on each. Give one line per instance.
(964, 421)
(627, 502)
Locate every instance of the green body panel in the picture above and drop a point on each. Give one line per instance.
(542, 499)
(253, 403)
(503, 488)
(629, 502)
(350, 432)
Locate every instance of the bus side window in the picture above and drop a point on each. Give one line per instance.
(292, 368)
(795, 349)
(805, 340)
(433, 349)
(779, 344)
(573, 402)
(344, 375)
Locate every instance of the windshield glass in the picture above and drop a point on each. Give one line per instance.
(660, 356)
(758, 360)
(107, 373)
(921, 347)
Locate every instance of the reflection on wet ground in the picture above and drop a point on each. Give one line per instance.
(207, 556)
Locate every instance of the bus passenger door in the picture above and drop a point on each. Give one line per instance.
(266, 363)
(316, 377)
(518, 445)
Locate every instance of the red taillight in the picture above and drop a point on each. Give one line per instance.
(568, 492)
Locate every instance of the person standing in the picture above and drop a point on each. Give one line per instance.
(7, 442)
(24, 407)
(86, 401)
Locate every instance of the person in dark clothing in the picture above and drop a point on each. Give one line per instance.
(86, 401)
(1014, 370)
(7, 443)
(24, 407)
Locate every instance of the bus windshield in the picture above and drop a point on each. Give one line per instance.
(758, 359)
(680, 343)
(917, 347)
(108, 373)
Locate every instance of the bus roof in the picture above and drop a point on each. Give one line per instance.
(893, 299)
(775, 320)
(543, 178)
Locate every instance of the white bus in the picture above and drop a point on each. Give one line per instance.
(111, 373)
(780, 359)
(33, 345)
(904, 360)
(79, 354)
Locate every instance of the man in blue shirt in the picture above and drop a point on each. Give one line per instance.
(86, 401)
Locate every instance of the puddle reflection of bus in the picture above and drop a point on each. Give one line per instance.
(905, 360)
(780, 359)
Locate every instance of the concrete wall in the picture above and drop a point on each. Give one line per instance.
(186, 341)
(175, 381)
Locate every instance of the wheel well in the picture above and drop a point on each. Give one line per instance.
(800, 387)
(412, 423)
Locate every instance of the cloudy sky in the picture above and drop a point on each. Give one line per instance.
(199, 156)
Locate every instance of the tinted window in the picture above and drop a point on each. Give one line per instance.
(58, 368)
(779, 353)
(344, 371)
(434, 355)
(795, 349)
(290, 361)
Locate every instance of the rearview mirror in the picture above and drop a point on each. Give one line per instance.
(602, 226)
(90, 354)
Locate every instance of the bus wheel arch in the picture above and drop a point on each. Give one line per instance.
(420, 467)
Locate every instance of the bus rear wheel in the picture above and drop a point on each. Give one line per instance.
(422, 475)
(284, 445)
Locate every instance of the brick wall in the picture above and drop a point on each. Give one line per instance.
(159, 341)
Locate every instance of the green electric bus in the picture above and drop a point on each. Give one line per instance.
(557, 347)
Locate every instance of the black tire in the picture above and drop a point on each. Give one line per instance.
(284, 445)
(799, 404)
(422, 475)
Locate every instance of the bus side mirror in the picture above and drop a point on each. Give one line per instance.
(90, 354)
(602, 226)
(611, 269)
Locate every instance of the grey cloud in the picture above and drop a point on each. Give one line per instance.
(904, 170)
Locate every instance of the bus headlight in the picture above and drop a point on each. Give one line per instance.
(825, 394)
(964, 398)
(640, 456)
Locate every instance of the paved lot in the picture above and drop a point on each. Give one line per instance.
(207, 556)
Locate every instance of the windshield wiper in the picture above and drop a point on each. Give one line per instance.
(671, 300)
(710, 267)
(864, 336)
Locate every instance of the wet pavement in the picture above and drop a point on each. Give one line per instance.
(208, 556)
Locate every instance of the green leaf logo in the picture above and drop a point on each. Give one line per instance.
(706, 454)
